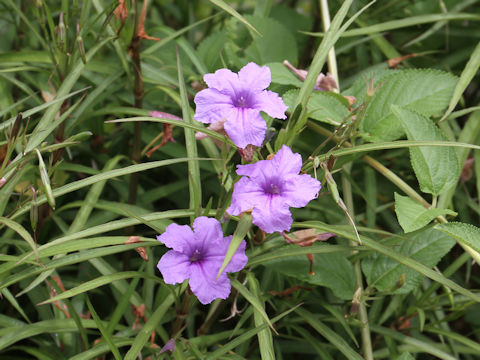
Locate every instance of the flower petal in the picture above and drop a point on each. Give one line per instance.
(272, 215)
(175, 267)
(177, 237)
(216, 253)
(245, 126)
(239, 259)
(207, 231)
(271, 103)
(203, 283)
(300, 190)
(212, 106)
(246, 194)
(286, 162)
(255, 77)
(224, 81)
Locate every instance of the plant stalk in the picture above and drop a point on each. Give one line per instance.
(138, 96)
(362, 309)
(331, 57)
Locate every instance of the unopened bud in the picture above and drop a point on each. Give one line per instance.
(16, 126)
(400, 282)
(356, 301)
(45, 180)
(61, 30)
(84, 135)
(81, 48)
(34, 210)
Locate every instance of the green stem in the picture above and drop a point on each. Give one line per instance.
(331, 59)
(366, 336)
(138, 95)
(182, 314)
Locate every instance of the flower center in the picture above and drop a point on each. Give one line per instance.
(272, 188)
(196, 256)
(241, 102)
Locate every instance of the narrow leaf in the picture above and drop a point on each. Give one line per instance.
(106, 336)
(253, 301)
(240, 232)
(95, 283)
(227, 8)
(20, 230)
(465, 78)
(324, 330)
(265, 339)
(194, 184)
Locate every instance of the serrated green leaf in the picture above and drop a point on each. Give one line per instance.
(437, 169)
(324, 106)
(331, 270)
(210, 49)
(413, 216)
(464, 233)
(275, 44)
(426, 247)
(427, 92)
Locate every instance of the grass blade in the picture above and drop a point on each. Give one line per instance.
(194, 184)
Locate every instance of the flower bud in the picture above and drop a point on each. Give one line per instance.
(81, 48)
(45, 180)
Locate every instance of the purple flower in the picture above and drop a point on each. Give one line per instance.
(238, 99)
(270, 188)
(198, 255)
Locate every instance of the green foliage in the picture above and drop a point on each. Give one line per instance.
(437, 169)
(330, 270)
(464, 233)
(326, 107)
(413, 216)
(427, 247)
(88, 179)
(426, 92)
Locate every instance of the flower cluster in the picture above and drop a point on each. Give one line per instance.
(238, 99)
(270, 188)
(198, 255)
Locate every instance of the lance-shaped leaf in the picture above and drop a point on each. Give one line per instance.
(436, 168)
(45, 180)
(240, 232)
